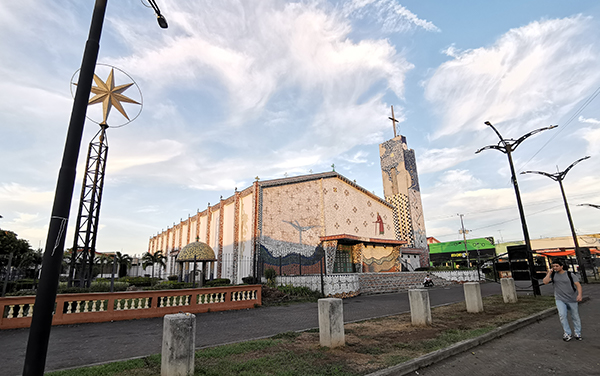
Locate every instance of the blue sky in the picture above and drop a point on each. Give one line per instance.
(237, 89)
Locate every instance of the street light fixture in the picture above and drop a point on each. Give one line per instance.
(559, 176)
(592, 205)
(507, 146)
(41, 322)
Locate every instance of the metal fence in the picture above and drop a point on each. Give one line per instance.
(292, 263)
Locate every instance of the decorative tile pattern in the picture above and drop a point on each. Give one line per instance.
(220, 244)
(357, 257)
(236, 236)
(330, 247)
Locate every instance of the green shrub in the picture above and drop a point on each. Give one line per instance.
(22, 293)
(173, 278)
(105, 286)
(169, 285)
(218, 282)
(250, 280)
(270, 275)
(139, 281)
(299, 291)
(95, 287)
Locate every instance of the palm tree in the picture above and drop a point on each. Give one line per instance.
(150, 259)
(124, 262)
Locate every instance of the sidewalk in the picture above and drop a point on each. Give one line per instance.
(80, 345)
(536, 349)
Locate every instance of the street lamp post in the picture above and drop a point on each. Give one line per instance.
(507, 146)
(41, 322)
(559, 176)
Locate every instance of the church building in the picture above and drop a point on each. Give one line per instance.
(310, 224)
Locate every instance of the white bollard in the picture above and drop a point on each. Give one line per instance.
(473, 297)
(420, 310)
(331, 322)
(509, 291)
(179, 342)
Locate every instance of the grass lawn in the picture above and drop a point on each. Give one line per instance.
(370, 345)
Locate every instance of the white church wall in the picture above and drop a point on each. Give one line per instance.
(202, 228)
(228, 228)
(245, 237)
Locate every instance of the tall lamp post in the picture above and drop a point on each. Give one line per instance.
(41, 322)
(559, 177)
(507, 146)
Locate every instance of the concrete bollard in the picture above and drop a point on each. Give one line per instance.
(473, 297)
(179, 342)
(420, 310)
(509, 291)
(331, 322)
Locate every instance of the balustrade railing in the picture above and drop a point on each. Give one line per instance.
(16, 312)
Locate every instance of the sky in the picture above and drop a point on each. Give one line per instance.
(234, 90)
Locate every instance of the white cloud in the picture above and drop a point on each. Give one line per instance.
(588, 120)
(531, 74)
(434, 160)
(260, 64)
(458, 178)
(143, 153)
(392, 16)
(358, 157)
(17, 193)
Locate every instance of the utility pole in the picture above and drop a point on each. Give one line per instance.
(464, 234)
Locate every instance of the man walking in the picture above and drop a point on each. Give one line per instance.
(567, 292)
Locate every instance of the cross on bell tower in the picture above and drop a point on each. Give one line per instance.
(394, 121)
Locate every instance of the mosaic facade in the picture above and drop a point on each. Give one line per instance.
(282, 224)
(401, 189)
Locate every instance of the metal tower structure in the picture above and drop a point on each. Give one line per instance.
(86, 227)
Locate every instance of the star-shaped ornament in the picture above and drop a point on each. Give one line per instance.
(110, 95)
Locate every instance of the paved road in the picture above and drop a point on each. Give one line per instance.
(537, 349)
(84, 344)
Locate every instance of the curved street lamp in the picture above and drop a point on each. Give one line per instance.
(41, 322)
(592, 205)
(559, 176)
(507, 146)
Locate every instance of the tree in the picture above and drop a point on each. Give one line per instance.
(18, 251)
(123, 261)
(10, 243)
(150, 259)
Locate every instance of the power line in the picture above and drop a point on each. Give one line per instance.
(511, 207)
(573, 117)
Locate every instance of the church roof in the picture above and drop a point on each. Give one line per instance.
(322, 175)
(196, 251)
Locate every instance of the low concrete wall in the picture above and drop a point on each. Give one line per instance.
(353, 284)
(335, 285)
(376, 283)
(459, 275)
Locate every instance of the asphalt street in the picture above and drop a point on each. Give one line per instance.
(84, 344)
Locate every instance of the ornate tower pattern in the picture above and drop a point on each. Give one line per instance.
(401, 189)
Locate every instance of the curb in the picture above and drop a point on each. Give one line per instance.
(459, 347)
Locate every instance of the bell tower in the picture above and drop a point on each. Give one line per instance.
(401, 189)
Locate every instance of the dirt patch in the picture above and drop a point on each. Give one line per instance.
(380, 343)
